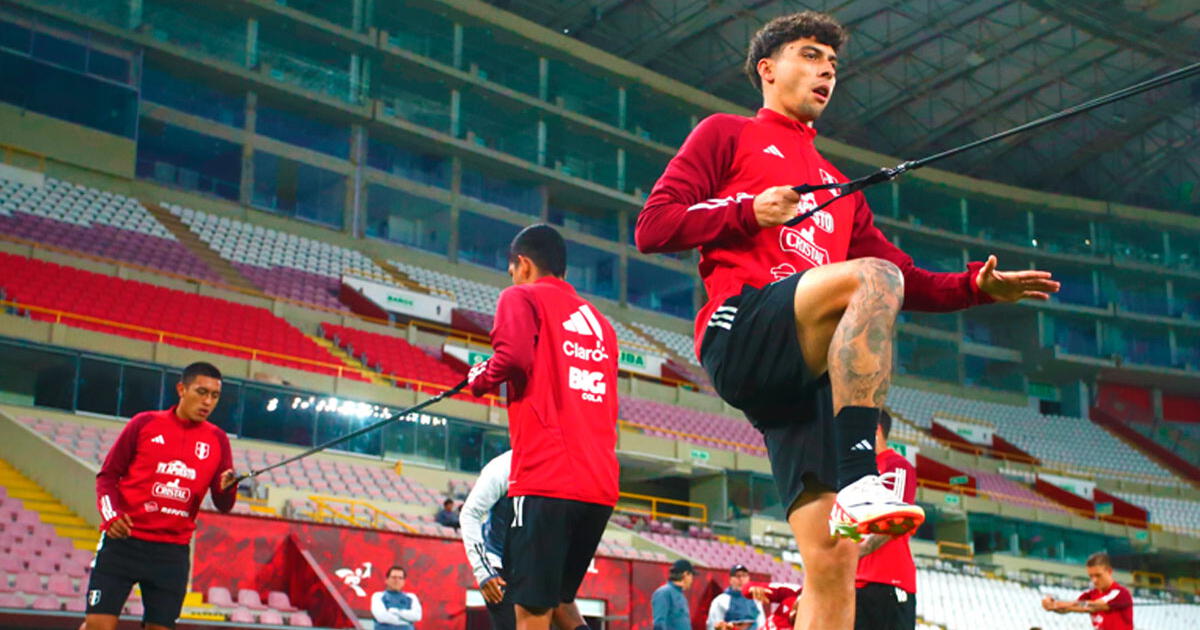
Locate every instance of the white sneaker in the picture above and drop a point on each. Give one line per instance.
(869, 507)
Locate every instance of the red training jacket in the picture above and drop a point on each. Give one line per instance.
(781, 598)
(1119, 615)
(893, 562)
(705, 199)
(158, 471)
(559, 357)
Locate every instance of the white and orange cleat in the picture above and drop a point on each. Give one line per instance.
(867, 506)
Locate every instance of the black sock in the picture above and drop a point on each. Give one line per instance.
(584, 627)
(854, 438)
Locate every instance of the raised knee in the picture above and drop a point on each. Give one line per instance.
(832, 557)
(880, 275)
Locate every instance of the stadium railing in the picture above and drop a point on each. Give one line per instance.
(655, 502)
(161, 336)
(8, 152)
(326, 510)
(955, 551)
(450, 333)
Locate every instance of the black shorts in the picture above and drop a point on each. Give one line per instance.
(549, 548)
(753, 358)
(884, 607)
(162, 570)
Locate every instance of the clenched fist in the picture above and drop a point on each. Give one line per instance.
(775, 206)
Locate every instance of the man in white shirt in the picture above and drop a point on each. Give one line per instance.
(393, 608)
(731, 610)
(484, 521)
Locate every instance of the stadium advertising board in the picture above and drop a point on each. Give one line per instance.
(628, 361)
(402, 301)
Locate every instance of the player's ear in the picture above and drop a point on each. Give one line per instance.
(766, 69)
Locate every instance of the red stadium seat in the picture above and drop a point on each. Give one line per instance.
(126, 301)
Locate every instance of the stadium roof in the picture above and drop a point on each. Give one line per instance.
(919, 76)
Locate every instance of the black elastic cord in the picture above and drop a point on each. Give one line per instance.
(888, 174)
(353, 434)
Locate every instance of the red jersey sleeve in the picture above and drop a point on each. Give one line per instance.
(116, 465)
(924, 290)
(776, 593)
(1122, 600)
(514, 338)
(682, 212)
(223, 499)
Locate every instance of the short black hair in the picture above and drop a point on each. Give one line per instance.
(885, 423)
(543, 245)
(677, 574)
(450, 501)
(396, 567)
(1099, 559)
(199, 368)
(788, 28)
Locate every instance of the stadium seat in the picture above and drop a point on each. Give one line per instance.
(392, 355)
(46, 602)
(249, 598)
(241, 615)
(1053, 439)
(61, 585)
(300, 620)
(219, 596)
(83, 219)
(279, 600)
(280, 264)
(148, 306)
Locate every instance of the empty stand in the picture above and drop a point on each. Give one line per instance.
(1174, 515)
(280, 264)
(392, 355)
(680, 344)
(200, 319)
(722, 555)
(83, 219)
(320, 476)
(1075, 442)
(478, 300)
(1005, 490)
(697, 427)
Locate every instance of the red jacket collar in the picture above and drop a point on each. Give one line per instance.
(774, 117)
(558, 282)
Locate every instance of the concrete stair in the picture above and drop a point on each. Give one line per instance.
(229, 274)
(350, 361)
(401, 278)
(65, 522)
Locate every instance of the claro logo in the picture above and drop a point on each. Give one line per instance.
(572, 349)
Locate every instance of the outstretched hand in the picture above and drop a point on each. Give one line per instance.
(1014, 286)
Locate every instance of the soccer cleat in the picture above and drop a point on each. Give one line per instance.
(869, 507)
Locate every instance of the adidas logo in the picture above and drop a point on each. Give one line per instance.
(863, 446)
(584, 322)
(774, 150)
(158, 439)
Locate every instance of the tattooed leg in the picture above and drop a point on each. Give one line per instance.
(860, 352)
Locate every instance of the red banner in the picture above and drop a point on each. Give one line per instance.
(236, 552)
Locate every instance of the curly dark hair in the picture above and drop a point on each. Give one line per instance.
(788, 28)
